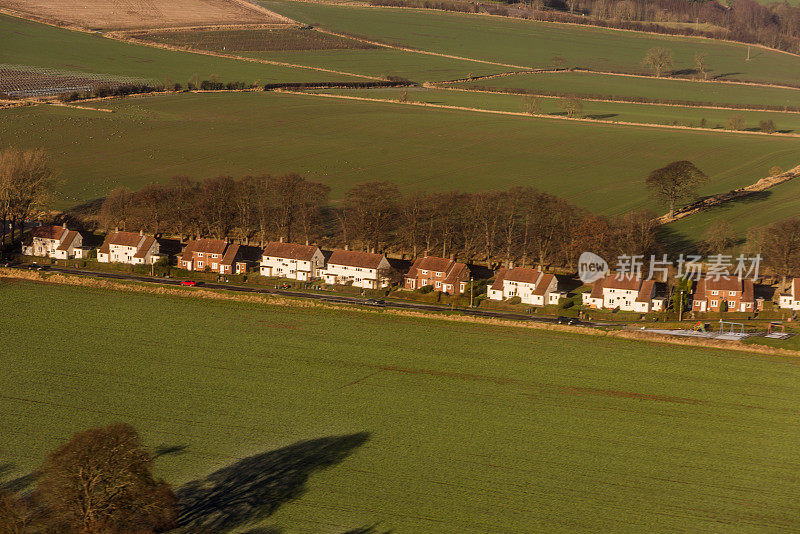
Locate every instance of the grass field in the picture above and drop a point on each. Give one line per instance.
(39, 45)
(253, 40)
(344, 143)
(384, 62)
(651, 88)
(780, 202)
(639, 113)
(449, 427)
(533, 44)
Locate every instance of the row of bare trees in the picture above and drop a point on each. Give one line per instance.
(516, 225)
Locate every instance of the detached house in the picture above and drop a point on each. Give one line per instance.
(362, 269)
(215, 255)
(791, 300)
(442, 274)
(626, 293)
(57, 242)
(290, 260)
(530, 285)
(727, 293)
(128, 247)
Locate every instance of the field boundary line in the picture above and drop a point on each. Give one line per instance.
(119, 36)
(571, 24)
(63, 105)
(537, 116)
(582, 70)
(418, 51)
(299, 302)
(435, 85)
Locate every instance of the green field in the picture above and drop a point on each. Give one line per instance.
(533, 44)
(780, 202)
(651, 88)
(39, 45)
(385, 62)
(448, 427)
(345, 142)
(638, 113)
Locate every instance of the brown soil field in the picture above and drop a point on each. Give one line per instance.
(18, 81)
(142, 14)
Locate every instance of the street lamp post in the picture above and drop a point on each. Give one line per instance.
(470, 291)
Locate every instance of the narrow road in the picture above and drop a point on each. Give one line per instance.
(336, 299)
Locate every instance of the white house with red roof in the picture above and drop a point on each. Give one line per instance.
(129, 247)
(57, 242)
(530, 285)
(290, 260)
(445, 275)
(724, 293)
(791, 300)
(628, 293)
(361, 269)
(215, 255)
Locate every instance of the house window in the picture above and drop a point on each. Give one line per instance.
(424, 272)
(199, 264)
(732, 293)
(714, 303)
(714, 292)
(213, 265)
(438, 285)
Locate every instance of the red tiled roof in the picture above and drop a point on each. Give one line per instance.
(68, 239)
(645, 291)
(543, 284)
(49, 232)
(352, 258)
(186, 255)
(523, 274)
(230, 255)
(142, 252)
(597, 289)
(724, 283)
(124, 239)
(210, 246)
(796, 288)
(700, 290)
(458, 273)
(499, 278)
(292, 251)
(105, 248)
(622, 282)
(748, 291)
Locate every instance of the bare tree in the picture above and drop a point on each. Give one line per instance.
(532, 105)
(701, 64)
(675, 182)
(718, 238)
(101, 481)
(372, 210)
(659, 60)
(572, 106)
(116, 208)
(782, 247)
(27, 183)
(216, 212)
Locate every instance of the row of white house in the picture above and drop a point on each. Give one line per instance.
(372, 271)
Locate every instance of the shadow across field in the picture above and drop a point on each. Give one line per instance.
(253, 488)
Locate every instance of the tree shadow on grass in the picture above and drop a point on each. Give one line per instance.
(22, 484)
(253, 488)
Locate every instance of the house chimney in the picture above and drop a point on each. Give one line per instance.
(425, 254)
(511, 265)
(306, 242)
(116, 228)
(64, 225)
(452, 256)
(346, 246)
(280, 239)
(141, 232)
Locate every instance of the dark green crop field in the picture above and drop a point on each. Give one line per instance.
(418, 425)
(534, 44)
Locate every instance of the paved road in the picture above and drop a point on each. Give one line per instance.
(339, 299)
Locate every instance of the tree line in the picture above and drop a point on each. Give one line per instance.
(519, 224)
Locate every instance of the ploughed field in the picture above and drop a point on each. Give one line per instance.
(343, 143)
(117, 14)
(537, 44)
(423, 425)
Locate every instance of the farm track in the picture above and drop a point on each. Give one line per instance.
(542, 116)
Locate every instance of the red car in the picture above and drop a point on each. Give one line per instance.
(190, 283)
